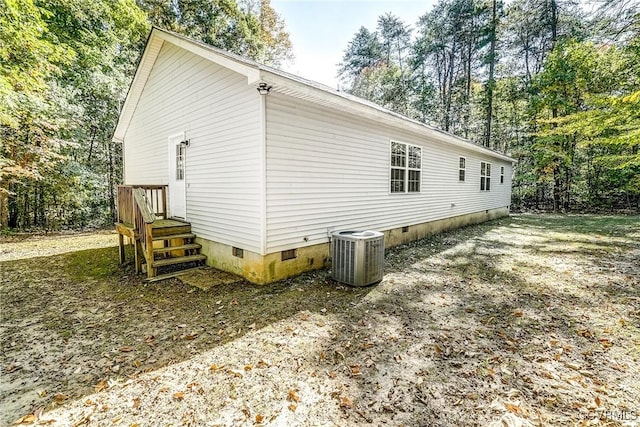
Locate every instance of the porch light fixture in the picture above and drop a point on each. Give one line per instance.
(185, 143)
(263, 88)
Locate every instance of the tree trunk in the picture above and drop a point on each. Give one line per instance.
(112, 200)
(4, 209)
(449, 84)
(491, 82)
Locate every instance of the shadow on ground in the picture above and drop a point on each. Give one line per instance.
(519, 317)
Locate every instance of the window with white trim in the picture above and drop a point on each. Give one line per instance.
(406, 167)
(501, 174)
(180, 152)
(485, 176)
(462, 169)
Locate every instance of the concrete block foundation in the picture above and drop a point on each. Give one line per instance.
(263, 269)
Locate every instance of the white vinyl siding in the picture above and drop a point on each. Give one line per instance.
(220, 114)
(328, 170)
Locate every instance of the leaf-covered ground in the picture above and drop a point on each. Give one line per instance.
(528, 320)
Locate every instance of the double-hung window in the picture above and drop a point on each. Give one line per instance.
(406, 167)
(462, 171)
(485, 176)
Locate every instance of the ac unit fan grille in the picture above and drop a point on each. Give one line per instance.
(357, 257)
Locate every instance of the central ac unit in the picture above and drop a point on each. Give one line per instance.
(357, 257)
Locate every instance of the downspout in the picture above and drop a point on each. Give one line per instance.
(263, 167)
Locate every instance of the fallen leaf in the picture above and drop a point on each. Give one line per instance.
(215, 367)
(292, 407)
(345, 402)
(27, 419)
(597, 400)
(331, 374)
(584, 333)
(179, 395)
(135, 403)
(293, 396)
(126, 349)
(259, 418)
(605, 342)
(248, 367)
(102, 385)
(262, 364)
(60, 398)
(304, 316)
(437, 349)
(355, 370)
(515, 409)
(235, 373)
(191, 336)
(517, 313)
(195, 387)
(149, 339)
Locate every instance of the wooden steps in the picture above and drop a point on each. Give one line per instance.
(187, 247)
(178, 248)
(169, 245)
(173, 236)
(178, 260)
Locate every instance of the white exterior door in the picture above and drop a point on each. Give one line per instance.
(177, 174)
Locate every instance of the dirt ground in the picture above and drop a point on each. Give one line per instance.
(523, 321)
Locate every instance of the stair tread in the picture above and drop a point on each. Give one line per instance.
(171, 275)
(175, 236)
(179, 260)
(177, 248)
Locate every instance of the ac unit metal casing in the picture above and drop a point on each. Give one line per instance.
(357, 257)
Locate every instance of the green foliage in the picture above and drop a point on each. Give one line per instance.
(251, 27)
(65, 67)
(559, 92)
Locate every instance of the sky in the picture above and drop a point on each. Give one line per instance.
(321, 30)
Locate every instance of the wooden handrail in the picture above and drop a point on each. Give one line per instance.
(156, 196)
(140, 206)
(143, 205)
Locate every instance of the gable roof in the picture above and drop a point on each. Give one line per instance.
(281, 82)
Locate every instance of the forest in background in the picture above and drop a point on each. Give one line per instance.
(553, 83)
(65, 68)
(546, 81)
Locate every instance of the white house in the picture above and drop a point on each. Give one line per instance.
(264, 164)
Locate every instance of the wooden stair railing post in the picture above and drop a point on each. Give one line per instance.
(151, 271)
(144, 224)
(164, 202)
